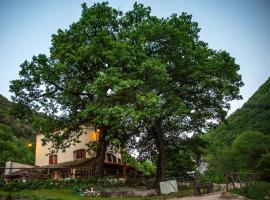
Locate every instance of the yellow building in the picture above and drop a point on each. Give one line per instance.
(74, 152)
(77, 161)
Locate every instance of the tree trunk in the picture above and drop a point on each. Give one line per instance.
(160, 144)
(100, 156)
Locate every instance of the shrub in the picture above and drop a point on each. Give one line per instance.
(256, 191)
(2, 183)
(17, 186)
(213, 176)
(77, 185)
(264, 166)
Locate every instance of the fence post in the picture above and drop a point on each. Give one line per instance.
(232, 180)
(239, 179)
(227, 187)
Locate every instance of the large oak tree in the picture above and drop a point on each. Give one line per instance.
(127, 74)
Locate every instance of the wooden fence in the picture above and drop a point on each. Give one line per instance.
(238, 180)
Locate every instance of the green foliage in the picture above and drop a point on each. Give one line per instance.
(17, 186)
(213, 175)
(147, 167)
(254, 116)
(66, 194)
(44, 184)
(247, 149)
(14, 149)
(184, 157)
(18, 118)
(107, 49)
(17, 129)
(256, 191)
(77, 185)
(264, 166)
(129, 73)
(178, 163)
(243, 141)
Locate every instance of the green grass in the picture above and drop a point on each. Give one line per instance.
(61, 194)
(256, 191)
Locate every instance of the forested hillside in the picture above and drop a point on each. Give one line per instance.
(242, 143)
(16, 132)
(20, 121)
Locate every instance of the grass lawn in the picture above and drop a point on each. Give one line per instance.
(59, 194)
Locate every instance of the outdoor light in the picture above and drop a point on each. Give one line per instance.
(29, 145)
(98, 130)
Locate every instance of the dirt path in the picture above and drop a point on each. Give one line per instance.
(213, 196)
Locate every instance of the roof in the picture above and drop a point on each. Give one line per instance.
(75, 163)
(128, 167)
(68, 164)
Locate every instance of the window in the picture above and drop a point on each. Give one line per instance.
(109, 157)
(78, 154)
(55, 175)
(114, 159)
(94, 136)
(119, 160)
(52, 159)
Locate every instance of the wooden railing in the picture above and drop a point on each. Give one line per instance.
(237, 180)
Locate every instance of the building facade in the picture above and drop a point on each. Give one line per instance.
(77, 161)
(74, 152)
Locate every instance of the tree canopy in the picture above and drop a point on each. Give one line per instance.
(131, 75)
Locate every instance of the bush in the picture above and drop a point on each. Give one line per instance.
(2, 183)
(264, 167)
(213, 176)
(17, 186)
(256, 191)
(77, 185)
(81, 185)
(13, 186)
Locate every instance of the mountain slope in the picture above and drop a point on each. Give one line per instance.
(242, 143)
(16, 132)
(254, 116)
(21, 124)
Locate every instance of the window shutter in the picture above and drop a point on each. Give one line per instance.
(74, 155)
(55, 160)
(80, 153)
(52, 159)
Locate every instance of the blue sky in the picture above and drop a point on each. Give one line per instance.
(241, 27)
